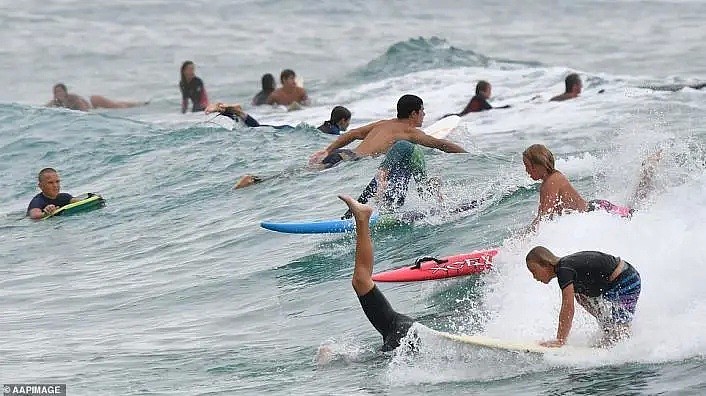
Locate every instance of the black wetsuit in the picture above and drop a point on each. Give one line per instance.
(196, 92)
(393, 326)
(329, 128)
(261, 98)
(251, 122)
(41, 201)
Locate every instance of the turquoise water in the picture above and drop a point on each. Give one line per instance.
(173, 288)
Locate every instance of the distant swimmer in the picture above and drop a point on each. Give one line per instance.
(573, 88)
(62, 98)
(268, 86)
(480, 101)
(607, 287)
(556, 194)
(289, 93)
(392, 325)
(50, 199)
(235, 112)
(339, 121)
(192, 88)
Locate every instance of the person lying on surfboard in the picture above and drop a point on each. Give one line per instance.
(480, 101)
(50, 199)
(556, 194)
(607, 287)
(339, 121)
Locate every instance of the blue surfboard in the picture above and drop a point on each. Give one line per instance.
(316, 226)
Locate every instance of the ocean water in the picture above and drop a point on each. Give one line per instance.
(173, 288)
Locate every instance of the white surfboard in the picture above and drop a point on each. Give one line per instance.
(512, 346)
(443, 127)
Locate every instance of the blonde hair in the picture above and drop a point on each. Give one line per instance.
(542, 256)
(539, 154)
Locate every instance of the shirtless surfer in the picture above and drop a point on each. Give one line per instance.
(62, 98)
(289, 93)
(573, 86)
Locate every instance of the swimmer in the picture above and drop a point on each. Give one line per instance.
(339, 121)
(606, 286)
(289, 93)
(268, 86)
(62, 98)
(192, 88)
(556, 194)
(573, 88)
(236, 112)
(480, 101)
(391, 325)
(50, 199)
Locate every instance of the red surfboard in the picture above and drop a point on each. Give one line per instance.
(430, 268)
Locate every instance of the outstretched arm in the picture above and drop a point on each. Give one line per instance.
(566, 317)
(422, 138)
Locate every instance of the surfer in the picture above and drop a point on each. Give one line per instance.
(339, 121)
(289, 93)
(192, 88)
(62, 98)
(394, 138)
(268, 86)
(392, 325)
(573, 88)
(480, 101)
(50, 199)
(607, 287)
(556, 194)
(236, 112)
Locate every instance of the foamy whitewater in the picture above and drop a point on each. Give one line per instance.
(173, 288)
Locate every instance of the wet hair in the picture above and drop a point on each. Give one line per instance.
(407, 105)
(541, 256)
(268, 82)
(286, 73)
(62, 86)
(339, 113)
(571, 80)
(184, 65)
(45, 171)
(482, 86)
(538, 154)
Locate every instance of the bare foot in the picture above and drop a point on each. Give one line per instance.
(360, 211)
(246, 181)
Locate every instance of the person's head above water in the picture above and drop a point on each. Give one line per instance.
(268, 82)
(188, 71)
(341, 117)
(573, 83)
(288, 78)
(483, 89)
(411, 107)
(541, 262)
(60, 92)
(539, 161)
(49, 182)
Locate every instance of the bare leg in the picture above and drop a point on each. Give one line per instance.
(363, 271)
(101, 101)
(246, 180)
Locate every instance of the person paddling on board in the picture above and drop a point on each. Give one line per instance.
(607, 287)
(339, 121)
(62, 98)
(391, 325)
(50, 199)
(290, 93)
(480, 101)
(236, 112)
(573, 88)
(556, 194)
